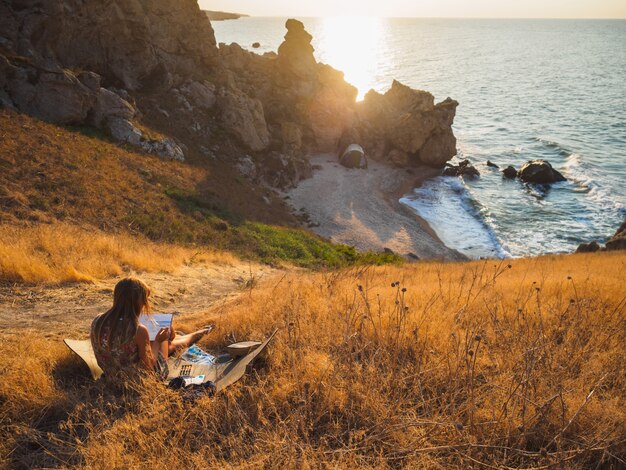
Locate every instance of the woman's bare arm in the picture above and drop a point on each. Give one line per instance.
(146, 357)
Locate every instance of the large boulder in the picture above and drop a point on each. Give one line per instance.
(124, 130)
(591, 247)
(399, 158)
(509, 172)
(438, 149)
(199, 94)
(539, 171)
(55, 95)
(243, 117)
(110, 105)
(410, 122)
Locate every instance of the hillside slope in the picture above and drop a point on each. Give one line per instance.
(85, 185)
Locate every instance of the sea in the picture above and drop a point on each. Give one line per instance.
(528, 89)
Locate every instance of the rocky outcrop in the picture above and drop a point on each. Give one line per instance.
(222, 15)
(588, 247)
(399, 158)
(199, 94)
(618, 241)
(509, 172)
(141, 65)
(410, 122)
(243, 117)
(138, 45)
(464, 168)
(539, 171)
(295, 54)
(110, 106)
(135, 44)
(402, 127)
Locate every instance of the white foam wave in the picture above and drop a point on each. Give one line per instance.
(448, 208)
(577, 171)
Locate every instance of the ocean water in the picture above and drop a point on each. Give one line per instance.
(528, 89)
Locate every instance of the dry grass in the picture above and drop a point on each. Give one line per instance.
(62, 252)
(475, 365)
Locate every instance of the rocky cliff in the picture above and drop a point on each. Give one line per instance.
(150, 74)
(309, 107)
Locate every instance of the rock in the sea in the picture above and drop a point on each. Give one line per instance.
(588, 247)
(490, 164)
(509, 172)
(618, 241)
(256, 45)
(464, 168)
(539, 171)
(243, 117)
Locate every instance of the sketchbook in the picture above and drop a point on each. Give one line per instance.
(155, 321)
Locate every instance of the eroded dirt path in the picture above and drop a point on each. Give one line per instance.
(67, 310)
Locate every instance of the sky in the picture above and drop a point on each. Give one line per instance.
(426, 8)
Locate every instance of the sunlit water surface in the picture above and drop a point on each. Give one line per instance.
(552, 89)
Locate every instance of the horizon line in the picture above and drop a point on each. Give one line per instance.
(247, 15)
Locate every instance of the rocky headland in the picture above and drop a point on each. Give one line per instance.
(150, 74)
(223, 15)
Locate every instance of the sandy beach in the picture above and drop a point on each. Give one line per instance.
(360, 208)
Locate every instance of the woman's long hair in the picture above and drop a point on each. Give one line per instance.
(130, 299)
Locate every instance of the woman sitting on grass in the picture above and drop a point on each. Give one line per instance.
(119, 341)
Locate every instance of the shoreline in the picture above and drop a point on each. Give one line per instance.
(361, 208)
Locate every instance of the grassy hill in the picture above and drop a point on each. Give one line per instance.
(471, 365)
(79, 183)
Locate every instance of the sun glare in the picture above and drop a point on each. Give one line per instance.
(351, 44)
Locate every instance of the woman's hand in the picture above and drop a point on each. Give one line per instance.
(162, 335)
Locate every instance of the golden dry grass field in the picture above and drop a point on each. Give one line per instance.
(486, 364)
(61, 252)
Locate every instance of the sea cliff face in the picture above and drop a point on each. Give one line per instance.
(122, 66)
